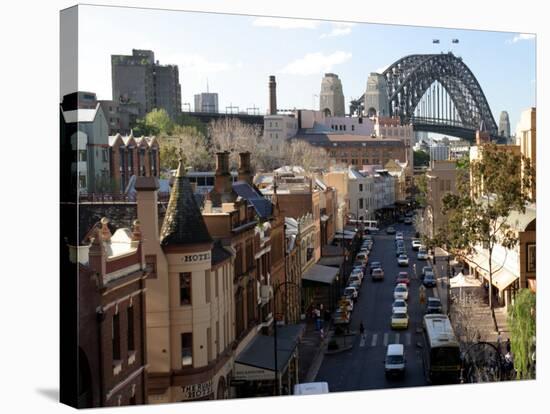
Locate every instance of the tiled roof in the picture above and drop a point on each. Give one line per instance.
(219, 254)
(183, 222)
(263, 206)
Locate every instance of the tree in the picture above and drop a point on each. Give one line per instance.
(157, 122)
(421, 158)
(420, 189)
(521, 319)
(188, 120)
(186, 142)
(305, 155)
(491, 189)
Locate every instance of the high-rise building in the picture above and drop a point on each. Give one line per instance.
(137, 78)
(504, 125)
(206, 102)
(331, 101)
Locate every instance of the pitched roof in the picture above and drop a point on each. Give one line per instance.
(80, 115)
(183, 222)
(263, 206)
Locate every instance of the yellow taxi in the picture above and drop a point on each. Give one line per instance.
(399, 320)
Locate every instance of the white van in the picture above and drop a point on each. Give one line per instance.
(395, 360)
(311, 388)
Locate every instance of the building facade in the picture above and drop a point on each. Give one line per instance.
(331, 97)
(206, 102)
(441, 179)
(138, 79)
(376, 96)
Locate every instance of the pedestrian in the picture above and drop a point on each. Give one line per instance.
(508, 346)
(362, 330)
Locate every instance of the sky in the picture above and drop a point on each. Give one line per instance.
(236, 54)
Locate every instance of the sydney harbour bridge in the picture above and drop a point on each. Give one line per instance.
(435, 92)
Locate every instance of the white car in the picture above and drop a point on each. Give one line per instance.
(416, 244)
(355, 278)
(401, 292)
(422, 254)
(358, 273)
(362, 256)
(399, 235)
(351, 292)
(399, 306)
(403, 260)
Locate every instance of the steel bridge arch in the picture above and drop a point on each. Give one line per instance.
(411, 76)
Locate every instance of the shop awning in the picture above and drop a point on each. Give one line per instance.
(462, 281)
(257, 361)
(502, 278)
(331, 261)
(321, 274)
(324, 217)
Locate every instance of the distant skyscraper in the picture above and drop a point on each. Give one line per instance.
(376, 96)
(504, 125)
(331, 100)
(138, 79)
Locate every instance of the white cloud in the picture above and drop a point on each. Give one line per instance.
(284, 23)
(313, 63)
(200, 64)
(382, 69)
(521, 36)
(339, 29)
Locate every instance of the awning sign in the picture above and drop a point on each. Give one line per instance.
(248, 373)
(196, 391)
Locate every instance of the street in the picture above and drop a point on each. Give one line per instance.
(362, 367)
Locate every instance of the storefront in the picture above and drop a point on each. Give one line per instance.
(255, 373)
(320, 286)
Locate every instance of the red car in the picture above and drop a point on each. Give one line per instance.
(403, 277)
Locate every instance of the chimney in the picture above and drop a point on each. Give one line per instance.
(147, 211)
(245, 171)
(272, 96)
(222, 181)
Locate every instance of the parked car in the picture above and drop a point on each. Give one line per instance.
(416, 243)
(358, 272)
(351, 293)
(378, 274)
(408, 220)
(429, 280)
(403, 260)
(390, 230)
(399, 305)
(409, 214)
(354, 279)
(346, 304)
(394, 363)
(359, 267)
(422, 253)
(340, 317)
(402, 277)
(401, 292)
(399, 320)
(362, 256)
(401, 219)
(399, 235)
(434, 305)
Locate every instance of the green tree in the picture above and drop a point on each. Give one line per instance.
(157, 122)
(420, 189)
(190, 121)
(421, 158)
(521, 319)
(487, 193)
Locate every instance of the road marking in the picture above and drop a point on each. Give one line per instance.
(386, 339)
(396, 339)
(363, 340)
(408, 338)
(374, 339)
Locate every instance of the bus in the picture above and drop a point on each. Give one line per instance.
(442, 362)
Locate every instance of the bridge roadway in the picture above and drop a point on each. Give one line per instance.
(362, 367)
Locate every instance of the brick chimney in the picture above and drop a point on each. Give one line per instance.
(272, 96)
(222, 180)
(245, 170)
(147, 211)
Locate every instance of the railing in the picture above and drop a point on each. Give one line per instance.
(117, 197)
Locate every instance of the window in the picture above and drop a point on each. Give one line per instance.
(185, 288)
(216, 275)
(115, 337)
(186, 349)
(207, 286)
(131, 335)
(209, 347)
(217, 338)
(361, 203)
(105, 155)
(151, 264)
(360, 187)
(82, 181)
(81, 155)
(353, 127)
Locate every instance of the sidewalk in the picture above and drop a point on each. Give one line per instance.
(311, 351)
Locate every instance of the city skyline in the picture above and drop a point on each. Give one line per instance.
(257, 49)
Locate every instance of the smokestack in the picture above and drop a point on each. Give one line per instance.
(245, 171)
(272, 96)
(222, 181)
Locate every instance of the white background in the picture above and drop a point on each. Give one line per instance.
(29, 275)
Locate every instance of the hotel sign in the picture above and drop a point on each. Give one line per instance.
(196, 391)
(196, 257)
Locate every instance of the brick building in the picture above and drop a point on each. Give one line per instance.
(111, 303)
